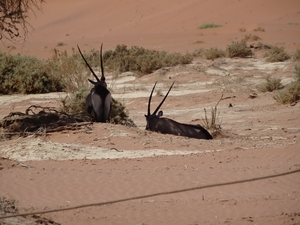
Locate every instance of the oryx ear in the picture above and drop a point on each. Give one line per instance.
(160, 113)
(93, 82)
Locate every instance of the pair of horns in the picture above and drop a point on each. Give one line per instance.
(158, 107)
(101, 65)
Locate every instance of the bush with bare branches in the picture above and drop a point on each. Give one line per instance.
(14, 15)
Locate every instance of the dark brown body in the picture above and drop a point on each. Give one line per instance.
(168, 126)
(98, 102)
(159, 124)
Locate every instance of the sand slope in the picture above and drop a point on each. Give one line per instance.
(162, 25)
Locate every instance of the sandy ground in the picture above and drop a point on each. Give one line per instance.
(104, 162)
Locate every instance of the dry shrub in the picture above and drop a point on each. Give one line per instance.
(239, 49)
(70, 69)
(260, 29)
(296, 55)
(276, 54)
(250, 37)
(270, 85)
(212, 123)
(198, 52)
(8, 206)
(291, 92)
(214, 53)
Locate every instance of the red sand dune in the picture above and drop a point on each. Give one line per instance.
(161, 25)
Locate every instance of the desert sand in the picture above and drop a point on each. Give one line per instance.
(105, 162)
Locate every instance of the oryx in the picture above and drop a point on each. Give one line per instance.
(98, 102)
(167, 126)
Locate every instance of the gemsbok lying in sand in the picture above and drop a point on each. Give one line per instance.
(98, 102)
(167, 126)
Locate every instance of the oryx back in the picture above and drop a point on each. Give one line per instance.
(98, 102)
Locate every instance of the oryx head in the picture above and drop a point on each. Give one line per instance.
(151, 117)
(99, 81)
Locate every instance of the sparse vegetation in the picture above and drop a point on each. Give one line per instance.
(239, 49)
(8, 206)
(260, 29)
(59, 44)
(142, 61)
(270, 85)
(198, 52)
(214, 53)
(296, 55)
(212, 123)
(276, 54)
(250, 37)
(291, 92)
(71, 70)
(209, 25)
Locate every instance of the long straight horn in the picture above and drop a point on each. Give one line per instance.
(150, 99)
(88, 65)
(101, 65)
(163, 100)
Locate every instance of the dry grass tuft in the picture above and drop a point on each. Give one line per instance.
(212, 123)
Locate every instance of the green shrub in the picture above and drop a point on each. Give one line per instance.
(270, 85)
(26, 75)
(238, 49)
(140, 60)
(74, 103)
(276, 54)
(214, 53)
(209, 25)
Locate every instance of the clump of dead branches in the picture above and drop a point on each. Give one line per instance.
(38, 120)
